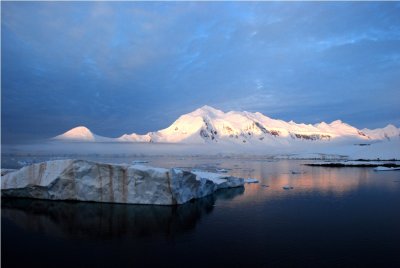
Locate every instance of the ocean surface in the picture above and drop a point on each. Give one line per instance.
(333, 217)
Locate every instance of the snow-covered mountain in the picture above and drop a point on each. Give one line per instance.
(386, 133)
(209, 125)
(82, 133)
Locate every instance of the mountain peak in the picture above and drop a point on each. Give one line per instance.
(77, 133)
(336, 122)
(207, 110)
(390, 126)
(80, 129)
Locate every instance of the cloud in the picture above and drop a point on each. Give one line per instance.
(135, 66)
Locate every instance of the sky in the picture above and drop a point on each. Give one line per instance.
(137, 66)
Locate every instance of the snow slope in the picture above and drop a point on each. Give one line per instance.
(81, 133)
(387, 133)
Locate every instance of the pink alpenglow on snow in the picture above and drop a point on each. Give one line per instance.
(209, 125)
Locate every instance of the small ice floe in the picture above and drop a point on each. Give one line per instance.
(287, 187)
(251, 180)
(264, 186)
(296, 172)
(222, 170)
(134, 162)
(380, 168)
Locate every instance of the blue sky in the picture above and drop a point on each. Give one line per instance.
(136, 66)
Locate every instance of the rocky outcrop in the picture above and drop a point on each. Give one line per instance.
(386, 164)
(82, 180)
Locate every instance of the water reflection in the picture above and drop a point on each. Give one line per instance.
(275, 174)
(310, 181)
(105, 221)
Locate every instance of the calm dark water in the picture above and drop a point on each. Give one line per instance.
(334, 217)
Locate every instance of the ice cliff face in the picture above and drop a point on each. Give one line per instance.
(89, 181)
(209, 125)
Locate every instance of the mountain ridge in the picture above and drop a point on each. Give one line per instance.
(209, 125)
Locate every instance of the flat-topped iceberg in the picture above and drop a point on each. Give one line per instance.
(82, 180)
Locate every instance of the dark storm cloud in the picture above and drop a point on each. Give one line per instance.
(135, 66)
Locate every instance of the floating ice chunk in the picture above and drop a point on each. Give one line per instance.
(296, 172)
(287, 187)
(134, 162)
(251, 180)
(222, 170)
(380, 168)
(265, 186)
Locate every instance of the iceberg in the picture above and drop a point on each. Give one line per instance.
(81, 180)
(251, 180)
(380, 168)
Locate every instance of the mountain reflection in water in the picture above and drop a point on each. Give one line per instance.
(86, 220)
